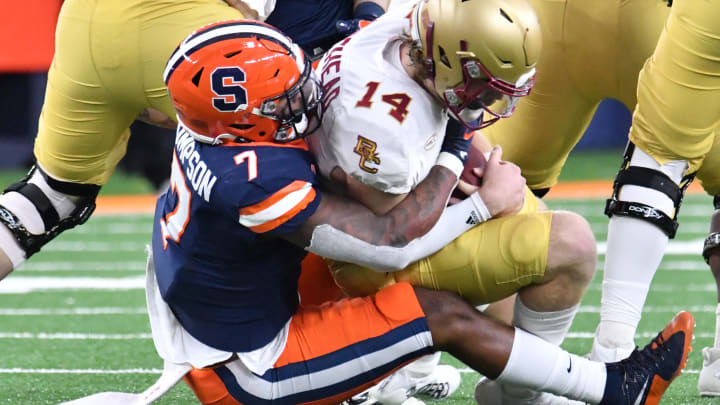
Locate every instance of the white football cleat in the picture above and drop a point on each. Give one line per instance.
(398, 387)
(709, 380)
(401, 387)
(489, 392)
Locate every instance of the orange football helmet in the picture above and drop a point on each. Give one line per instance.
(243, 81)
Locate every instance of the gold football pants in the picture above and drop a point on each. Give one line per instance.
(108, 68)
(485, 264)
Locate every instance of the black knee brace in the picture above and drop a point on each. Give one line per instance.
(54, 225)
(645, 177)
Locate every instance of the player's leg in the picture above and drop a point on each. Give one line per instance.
(83, 128)
(74, 137)
(552, 252)
(515, 357)
(709, 176)
(551, 120)
(709, 379)
(161, 35)
(368, 337)
(332, 351)
(672, 134)
(548, 307)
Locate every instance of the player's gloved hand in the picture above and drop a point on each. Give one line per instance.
(365, 13)
(457, 139)
(503, 187)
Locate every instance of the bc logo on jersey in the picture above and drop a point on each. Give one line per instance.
(366, 149)
(233, 96)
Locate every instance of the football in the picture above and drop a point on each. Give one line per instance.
(476, 158)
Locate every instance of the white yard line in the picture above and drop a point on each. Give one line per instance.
(78, 371)
(72, 311)
(117, 228)
(89, 311)
(75, 336)
(65, 246)
(82, 266)
(16, 285)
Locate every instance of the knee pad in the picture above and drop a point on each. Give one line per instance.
(41, 196)
(651, 178)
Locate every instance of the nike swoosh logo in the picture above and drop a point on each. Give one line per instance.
(639, 399)
(570, 366)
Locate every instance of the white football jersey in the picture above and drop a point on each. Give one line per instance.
(379, 125)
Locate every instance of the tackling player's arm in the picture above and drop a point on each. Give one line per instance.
(412, 218)
(420, 225)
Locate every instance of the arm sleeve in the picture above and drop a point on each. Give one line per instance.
(330, 242)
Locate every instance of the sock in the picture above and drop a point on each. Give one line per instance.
(550, 326)
(627, 277)
(542, 366)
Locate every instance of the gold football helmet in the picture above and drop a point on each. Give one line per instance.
(480, 54)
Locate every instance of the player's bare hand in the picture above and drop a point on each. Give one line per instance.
(248, 12)
(464, 188)
(503, 187)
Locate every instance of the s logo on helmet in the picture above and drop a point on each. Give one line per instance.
(225, 82)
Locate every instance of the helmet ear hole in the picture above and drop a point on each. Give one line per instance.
(443, 57)
(196, 79)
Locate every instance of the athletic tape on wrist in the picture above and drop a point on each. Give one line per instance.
(480, 206)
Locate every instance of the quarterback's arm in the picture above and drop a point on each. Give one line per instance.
(417, 227)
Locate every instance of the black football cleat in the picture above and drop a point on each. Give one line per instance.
(642, 378)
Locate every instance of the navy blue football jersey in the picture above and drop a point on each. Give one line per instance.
(220, 265)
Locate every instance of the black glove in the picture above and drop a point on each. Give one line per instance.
(457, 139)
